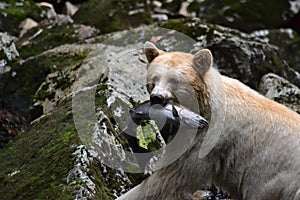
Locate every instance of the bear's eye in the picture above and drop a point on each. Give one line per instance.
(174, 82)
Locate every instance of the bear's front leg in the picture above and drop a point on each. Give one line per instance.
(157, 187)
(134, 194)
(179, 180)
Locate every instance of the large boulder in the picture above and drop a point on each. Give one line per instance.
(50, 162)
(49, 159)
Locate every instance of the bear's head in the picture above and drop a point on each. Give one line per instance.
(178, 77)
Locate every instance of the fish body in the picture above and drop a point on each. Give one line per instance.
(169, 119)
(171, 114)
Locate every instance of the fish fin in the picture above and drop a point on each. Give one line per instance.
(174, 111)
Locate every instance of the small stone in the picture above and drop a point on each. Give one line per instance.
(202, 195)
(51, 12)
(85, 32)
(8, 46)
(71, 9)
(26, 25)
(160, 17)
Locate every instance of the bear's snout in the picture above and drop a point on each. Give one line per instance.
(157, 99)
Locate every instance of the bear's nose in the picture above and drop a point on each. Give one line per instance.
(157, 99)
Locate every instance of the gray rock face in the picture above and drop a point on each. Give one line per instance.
(288, 43)
(280, 90)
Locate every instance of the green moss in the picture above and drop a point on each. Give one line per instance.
(147, 134)
(47, 39)
(102, 192)
(36, 164)
(246, 16)
(16, 12)
(31, 74)
(110, 16)
(43, 157)
(187, 26)
(42, 95)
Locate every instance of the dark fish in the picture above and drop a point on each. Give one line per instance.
(168, 118)
(175, 115)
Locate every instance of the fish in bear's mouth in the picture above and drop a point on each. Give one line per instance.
(167, 119)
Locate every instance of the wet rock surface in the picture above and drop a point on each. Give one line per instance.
(38, 72)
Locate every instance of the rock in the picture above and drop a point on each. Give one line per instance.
(18, 91)
(110, 16)
(26, 25)
(7, 45)
(70, 8)
(50, 12)
(46, 157)
(51, 33)
(237, 54)
(159, 17)
(59, 84)
(70, 150)
(246, 15)
(288, 42)
(10, 126)
(280, 90)
(202, 195)
(51, 153)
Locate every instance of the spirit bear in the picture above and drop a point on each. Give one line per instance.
(257, 155)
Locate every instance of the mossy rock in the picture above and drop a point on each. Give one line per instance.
(280, 90)
(13, 12)
(288, 42)
(49, 35)
(19, 86)
(39, 163)
(115, 15)
(248, 15)
(36, 163)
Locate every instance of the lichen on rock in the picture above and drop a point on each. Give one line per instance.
(280, 90)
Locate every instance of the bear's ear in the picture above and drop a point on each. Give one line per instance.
(151, 51)
(203, 60)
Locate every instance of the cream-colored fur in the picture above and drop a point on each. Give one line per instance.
(257, 155)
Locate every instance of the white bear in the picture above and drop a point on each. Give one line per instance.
(257, 155)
